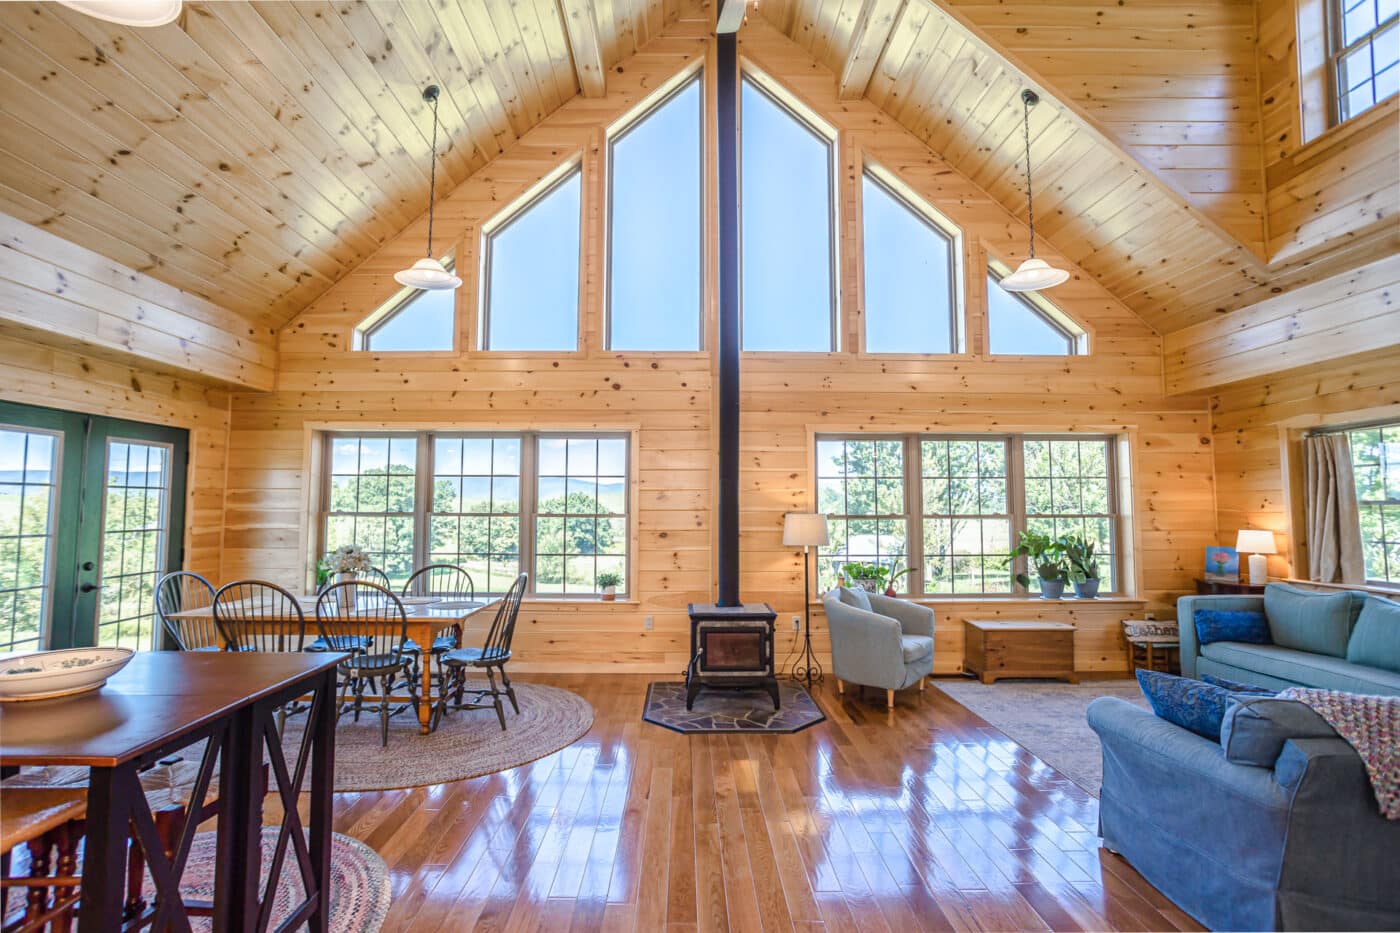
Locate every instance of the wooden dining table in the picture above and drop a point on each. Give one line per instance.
(426, 621)
(166, 701)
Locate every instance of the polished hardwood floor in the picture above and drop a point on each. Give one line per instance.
(920, 818)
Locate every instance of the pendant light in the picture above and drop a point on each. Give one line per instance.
(1033, 274)
(128, 12)
(429, 273)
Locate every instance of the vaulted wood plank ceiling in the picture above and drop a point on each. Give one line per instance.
(253, 153)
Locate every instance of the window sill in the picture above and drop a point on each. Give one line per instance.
(1018, 601)
(590, 601)
(1339, 133)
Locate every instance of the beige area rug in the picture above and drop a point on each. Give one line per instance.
(467, 743)
(1047, 719)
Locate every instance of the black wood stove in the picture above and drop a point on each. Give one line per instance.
(731, 646)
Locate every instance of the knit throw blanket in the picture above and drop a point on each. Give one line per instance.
(1371, 725)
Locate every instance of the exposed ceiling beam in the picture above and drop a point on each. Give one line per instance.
(877, 19)
(584, 46)
(731, 15)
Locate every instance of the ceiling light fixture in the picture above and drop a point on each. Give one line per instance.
(128, 12)
(429, 273)
(1033, 274)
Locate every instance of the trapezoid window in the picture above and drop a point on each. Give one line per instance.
(530, 274)
(655, 226)
(911, 280)
(415, 319)
(788, 251)
(1027, 324)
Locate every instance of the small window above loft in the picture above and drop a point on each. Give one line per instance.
(1365, 42)
(414, 320)
(1027, 324)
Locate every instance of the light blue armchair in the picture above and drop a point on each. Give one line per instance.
(877, 641)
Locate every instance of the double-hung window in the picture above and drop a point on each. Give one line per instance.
(555, 505)
(1375, 466)
(949, 507)
(1365, 42)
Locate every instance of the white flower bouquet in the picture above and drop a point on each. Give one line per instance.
(349, 558)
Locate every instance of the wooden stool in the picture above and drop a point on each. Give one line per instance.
(1147, 651)
(50, 822)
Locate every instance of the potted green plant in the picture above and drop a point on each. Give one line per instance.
(869, 577)
(1046, 555)
(608, 582)
(1083, 567)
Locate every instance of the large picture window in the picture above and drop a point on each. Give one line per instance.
(1375, 464)
(554, 505)
(911, 265)
(950, 508)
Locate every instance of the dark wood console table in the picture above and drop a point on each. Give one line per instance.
(1227, 588)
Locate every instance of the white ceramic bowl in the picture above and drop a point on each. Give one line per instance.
(41, 675)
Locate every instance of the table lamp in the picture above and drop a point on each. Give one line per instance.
(1256, 543)
(806, 530)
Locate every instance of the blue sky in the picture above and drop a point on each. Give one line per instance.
(425, 323)
(908, 265)
(656, 228)
(1015, 328)
(534, 274)
(785, 213)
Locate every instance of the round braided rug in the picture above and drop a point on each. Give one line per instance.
(467, 743)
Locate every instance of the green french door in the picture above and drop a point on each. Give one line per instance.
(91, 514)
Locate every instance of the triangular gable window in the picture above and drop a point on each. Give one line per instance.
(1027, 324)
(413, 320)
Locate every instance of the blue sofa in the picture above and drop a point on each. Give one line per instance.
(1343, 640)
(1300, 845)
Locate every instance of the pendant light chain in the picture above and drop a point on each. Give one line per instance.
(1027, 97)
(432, 174)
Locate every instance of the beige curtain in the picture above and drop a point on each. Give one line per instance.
(1333, 522)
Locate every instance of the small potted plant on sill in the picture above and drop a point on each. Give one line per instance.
(1083, 567)
(891, 588)
(608, 582)
(1046, 555)
(869, 577)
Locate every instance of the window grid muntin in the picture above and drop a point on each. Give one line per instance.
(612, 145)
(954, 258)
(568, 518)
(40, 596)
(1111, 558)
(833, 194)
(488, 245)
(126, 608)
(885, 523)
(1341, 51)
(501, 561)
(1381, 553)
(397, 563)
(528, 491)
(989, 560)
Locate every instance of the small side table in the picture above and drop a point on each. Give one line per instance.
(1227, 588)
(1002, 648)
(1147, 651)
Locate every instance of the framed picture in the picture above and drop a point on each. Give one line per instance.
(1222, 565)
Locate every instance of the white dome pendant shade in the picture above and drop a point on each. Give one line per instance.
(429, 273)
(1033, 274)
(128, 12)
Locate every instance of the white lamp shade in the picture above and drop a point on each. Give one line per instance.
(1255, 541)
(1033, 275)
(804, 529)
(128, 12)
(428, 274)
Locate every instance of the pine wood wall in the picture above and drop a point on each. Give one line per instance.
(668, 399)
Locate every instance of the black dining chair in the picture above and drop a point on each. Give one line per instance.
(183, 591)
(356, 613)
(490, 657)
(258, 616)
(452, 584)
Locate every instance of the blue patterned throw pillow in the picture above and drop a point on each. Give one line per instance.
(1190, 704)
(1251, 628)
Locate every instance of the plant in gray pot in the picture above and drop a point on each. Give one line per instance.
(1083, 567)
(1046, 555)
(869, 577)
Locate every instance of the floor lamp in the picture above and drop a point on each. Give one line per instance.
(806, 530)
